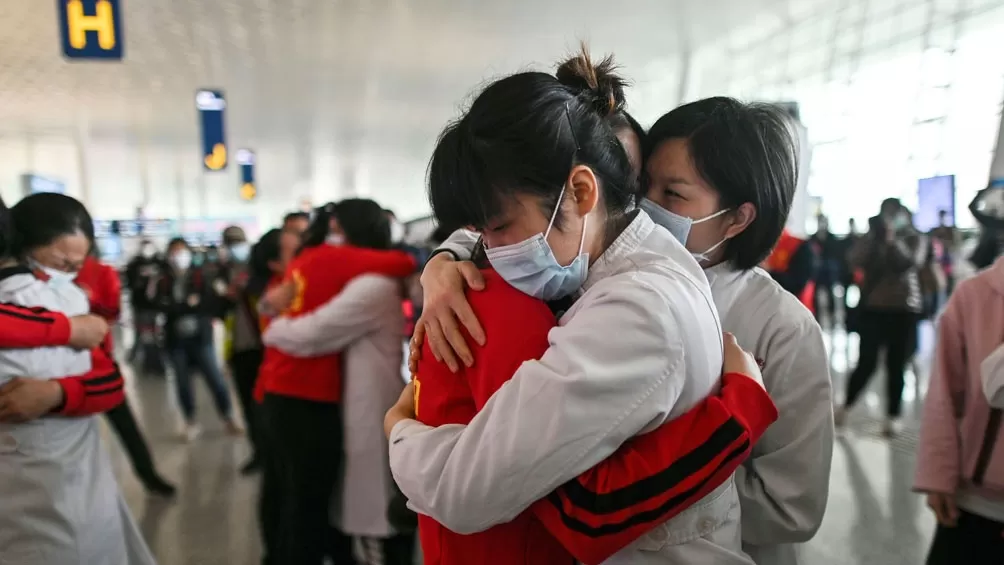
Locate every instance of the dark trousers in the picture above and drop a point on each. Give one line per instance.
(877, 329)
(124, 424)
(196, 354)
(975, 540)
(303, 460)
(244, 366)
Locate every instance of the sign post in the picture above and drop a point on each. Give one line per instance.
(211, 105)
(90, 29)
(246, 162)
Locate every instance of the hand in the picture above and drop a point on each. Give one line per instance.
(403, 410)
(944, 508)
(444, 282)
(23, 400)
(738, 360)
(278, 299)
(87, 332)
(415, 348)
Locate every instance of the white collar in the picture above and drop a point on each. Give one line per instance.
(626, 243)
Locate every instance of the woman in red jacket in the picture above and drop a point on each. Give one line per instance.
(301, 396)
(103, 287)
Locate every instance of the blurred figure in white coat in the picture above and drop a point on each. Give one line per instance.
(720, 175)
(366, 323)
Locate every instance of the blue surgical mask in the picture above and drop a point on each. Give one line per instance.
(680, 226)
(531, 268)
(240, 252)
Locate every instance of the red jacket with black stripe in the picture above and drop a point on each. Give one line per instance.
(650, 479)
(96, 391)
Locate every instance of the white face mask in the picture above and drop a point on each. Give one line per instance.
(240, 252)
(992, 373)
(530, 266)
(680, 226)
(182, 260)
(148, 252)
(335, 239)
(56, 277)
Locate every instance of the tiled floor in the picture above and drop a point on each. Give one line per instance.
(872, 517)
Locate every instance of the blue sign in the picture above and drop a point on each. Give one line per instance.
(246, 162)
(34, 184)
(90, 29)
(211, 105)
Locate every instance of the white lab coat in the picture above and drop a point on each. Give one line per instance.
(366, 323)
(641, 345)
(59, 501)
(784, 485)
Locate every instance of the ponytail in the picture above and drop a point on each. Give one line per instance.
(320, 226)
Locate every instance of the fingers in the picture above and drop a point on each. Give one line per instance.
(730, 339)
(466, 316)
(457, 341)
(951, 510)
(440, 346)
(472, 275)
(945, 510)
(11, 385)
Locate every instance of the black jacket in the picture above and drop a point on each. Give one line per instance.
(208, 305)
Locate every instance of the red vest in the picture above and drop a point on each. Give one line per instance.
(780, 260)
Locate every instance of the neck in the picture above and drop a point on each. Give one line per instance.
(612, 229)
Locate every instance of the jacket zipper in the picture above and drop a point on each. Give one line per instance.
(987, 449)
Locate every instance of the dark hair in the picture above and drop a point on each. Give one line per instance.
(623, 120)
(175, 241)
(523, 134)
(264, 252)
(364, 222)
(295, 216)
(40, 219)
(747, 153)
(988, 248)
(319, 226)
(890, 203)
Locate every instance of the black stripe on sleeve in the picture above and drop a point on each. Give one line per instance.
(16, 311)
(663, 481)
(112, 390)
(107, 379)
(639, 518)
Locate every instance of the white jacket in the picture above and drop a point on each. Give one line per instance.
(640, 346)
(366, 323)
(784, 485)
(59, 501)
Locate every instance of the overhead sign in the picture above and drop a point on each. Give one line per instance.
(212, 105)
(34, 184)
(246, 162)
(90, 29)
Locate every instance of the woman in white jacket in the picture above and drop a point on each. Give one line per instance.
(59, 501)
(366, 324)
(535, 166)
(720, 176)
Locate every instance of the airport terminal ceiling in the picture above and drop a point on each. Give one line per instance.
(321, 89)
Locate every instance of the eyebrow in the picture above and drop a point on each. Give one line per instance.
(671, 180)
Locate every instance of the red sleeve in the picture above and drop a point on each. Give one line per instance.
(97, 391)
(395, 264)
(32, 327)
(654, 477)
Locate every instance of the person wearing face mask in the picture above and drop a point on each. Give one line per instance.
(889, 257)
(302, 396)
(60, 503)
(141, 273)
(186, 296)
(535, 166)
(721, 177)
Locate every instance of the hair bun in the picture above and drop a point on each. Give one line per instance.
(598, 84)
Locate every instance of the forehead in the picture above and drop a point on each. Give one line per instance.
(670, 157)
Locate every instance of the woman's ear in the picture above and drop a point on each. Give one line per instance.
(584, 189)
(742, 217)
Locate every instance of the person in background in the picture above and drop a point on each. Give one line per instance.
(847, 278)
(960, 456)
(296, 222)
(365, 324)
(101, 284)
(142, 272)
(302, 397)
(246, 348)
(950, 238)
(294, 226)
(889, 257)
(792, 264)
(190, 304)
(721, 177)
(827, 251)
(59, 493)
